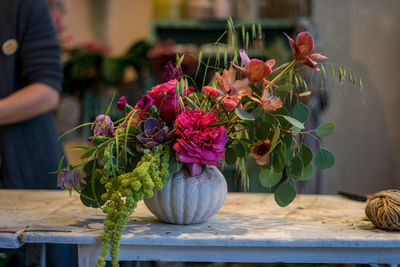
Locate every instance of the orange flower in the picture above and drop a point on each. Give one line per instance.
(254, 69)
(271, 103)
(233, 89)
(260, 151)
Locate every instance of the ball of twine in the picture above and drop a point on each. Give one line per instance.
(383, 210)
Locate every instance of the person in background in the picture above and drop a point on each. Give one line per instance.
(30, 84)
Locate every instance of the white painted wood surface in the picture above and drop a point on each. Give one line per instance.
(21, 208)
(248, 228)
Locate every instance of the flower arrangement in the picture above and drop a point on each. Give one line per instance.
(250, 110)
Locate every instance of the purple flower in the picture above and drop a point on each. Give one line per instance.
(145, 103)
(90, 138)
(121, 104)
(67, 178)
(102, 125)
(172, 72)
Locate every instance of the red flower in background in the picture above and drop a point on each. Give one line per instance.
(197, 143)
(164, 97)
(302, 48)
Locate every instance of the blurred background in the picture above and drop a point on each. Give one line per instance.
(123, 45)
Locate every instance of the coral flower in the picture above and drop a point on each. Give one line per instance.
(271, 103)
(211, 92)
(229, 102)
(260, 151)
(255, 70)
(302, 48)
(121, 104)
(67, 179)
(233, 89)
(102, 125)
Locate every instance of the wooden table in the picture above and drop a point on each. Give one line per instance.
(248, 228)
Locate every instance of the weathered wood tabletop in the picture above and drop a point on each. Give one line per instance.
(248, 228)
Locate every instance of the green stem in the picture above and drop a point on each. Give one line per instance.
(280, 74)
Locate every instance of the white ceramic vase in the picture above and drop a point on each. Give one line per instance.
(189, 200)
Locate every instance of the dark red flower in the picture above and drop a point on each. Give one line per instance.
(302, 48)
(121, 104)
(145, 103)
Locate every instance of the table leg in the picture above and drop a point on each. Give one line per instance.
(87, 255)
(35, 255)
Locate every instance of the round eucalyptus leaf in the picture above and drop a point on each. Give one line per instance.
(268, 177)
(301, 112)
(307, 173)
(306, 154)
(285, 193)
(324, 159)
(230, 156)
(295, 166)
(325, 129)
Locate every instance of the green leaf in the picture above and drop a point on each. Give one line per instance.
(295, 130)
(239, 150)
(230, 156)
(294, 122)
(325, 129)
(285, 194)
(285, 88)
(306, 154)
(174, 166)
(244, 115)
(99, 190)
(278, 158)
(295, 166)
(280, 111)
(261, 131)
(324, 159)
(275, 139)
(307, 93)
(287, 139)
(307, 173)
(289, 154)
(268, 177)
(301, 112)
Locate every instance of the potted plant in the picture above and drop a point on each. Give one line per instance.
(165, 149)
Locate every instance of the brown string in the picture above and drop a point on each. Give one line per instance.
(383, 210)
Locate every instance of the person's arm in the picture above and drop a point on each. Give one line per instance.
(39, 73)
(28, 102)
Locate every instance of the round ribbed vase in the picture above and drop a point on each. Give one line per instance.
(189, 200)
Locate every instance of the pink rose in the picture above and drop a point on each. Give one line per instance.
(170, 104)
(211, 92)
(198, 144)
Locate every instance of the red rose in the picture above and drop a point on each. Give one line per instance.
(197, 143)
(170, 104)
